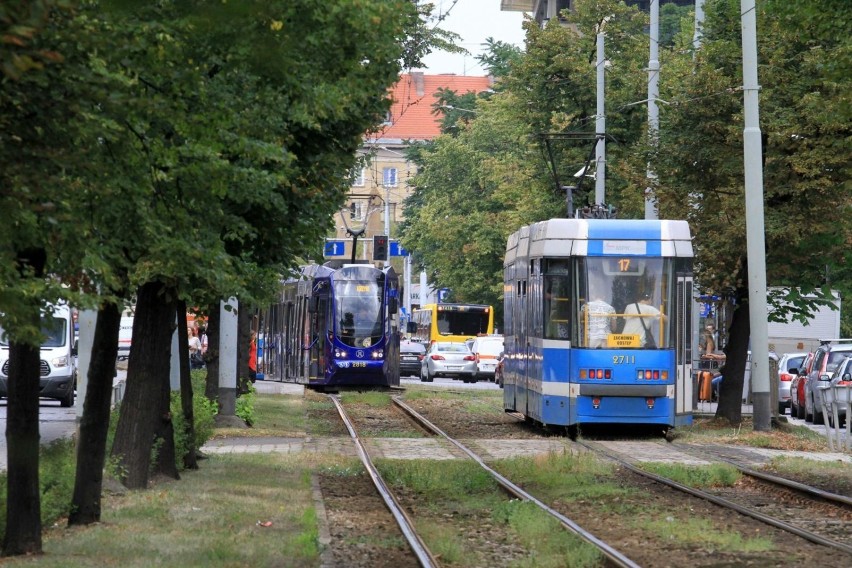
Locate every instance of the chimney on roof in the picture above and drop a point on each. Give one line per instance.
(417, 77)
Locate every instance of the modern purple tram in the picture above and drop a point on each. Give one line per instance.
(335, 325)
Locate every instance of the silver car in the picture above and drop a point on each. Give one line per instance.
(447, 359)
(788, 367)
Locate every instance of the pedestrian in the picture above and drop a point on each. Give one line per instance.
(641, 319)
(195, 359)
(252, 362)
(600, 317)
(202, 335)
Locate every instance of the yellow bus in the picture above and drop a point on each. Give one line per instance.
(451, 322)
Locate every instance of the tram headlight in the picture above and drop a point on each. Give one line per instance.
(378, 354)
(340, 354)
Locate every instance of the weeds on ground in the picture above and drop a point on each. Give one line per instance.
(702, 476)
(783, 436)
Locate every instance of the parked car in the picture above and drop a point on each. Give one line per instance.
(486, 349)
(448, 359)
(498, 372)
(411, 355)
(797, 388)
(788, 367)
(843, 377)
(827, 357)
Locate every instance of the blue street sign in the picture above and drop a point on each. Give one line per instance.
(334, 248)
(396, 250)
(443, 294)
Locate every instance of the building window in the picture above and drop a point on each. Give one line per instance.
(389, 177)
(358, 177)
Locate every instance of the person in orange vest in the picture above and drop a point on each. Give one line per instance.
(253, 357)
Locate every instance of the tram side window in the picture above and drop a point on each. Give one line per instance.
(557, 307)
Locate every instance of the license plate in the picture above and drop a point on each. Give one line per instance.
(409, 358)
(453, 368)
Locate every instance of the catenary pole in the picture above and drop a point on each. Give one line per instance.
(600, 127)
(228, 339)
(653, 109)
(755, 245)
(699, 25)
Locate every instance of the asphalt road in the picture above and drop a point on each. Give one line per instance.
(54, 422)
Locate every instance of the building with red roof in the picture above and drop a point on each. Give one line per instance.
(383, 184)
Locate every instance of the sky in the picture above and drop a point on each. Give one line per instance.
(474, 21)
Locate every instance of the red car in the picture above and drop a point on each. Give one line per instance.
(797, 389)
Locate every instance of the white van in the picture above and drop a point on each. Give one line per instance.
(58, 373)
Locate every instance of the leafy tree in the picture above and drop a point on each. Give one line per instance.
(700, 164)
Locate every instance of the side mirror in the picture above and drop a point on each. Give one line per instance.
(793, 370)
(825, 377)
(312, 305)
(846, 377)
(411, 327)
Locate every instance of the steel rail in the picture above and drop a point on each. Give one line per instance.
(723, 502)
(788, 483)
(424, 556)
(613, 555)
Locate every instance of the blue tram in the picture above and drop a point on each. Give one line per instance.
(334, 326)
(597, 323)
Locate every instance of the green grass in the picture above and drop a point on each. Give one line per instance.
(701, 532)
(464, 488)
(209, 517)
(701, 476)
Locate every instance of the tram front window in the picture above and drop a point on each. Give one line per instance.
(359, 312)
(624, 302)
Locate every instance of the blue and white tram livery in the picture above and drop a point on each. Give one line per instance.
(598, 322)
(335, 326)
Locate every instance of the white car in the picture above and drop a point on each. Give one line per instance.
(448, 359)
(487, 350)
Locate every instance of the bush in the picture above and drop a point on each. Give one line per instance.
(245, 406)
(204, 411)
(57, 468)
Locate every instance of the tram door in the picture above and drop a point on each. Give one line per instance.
(683, 350)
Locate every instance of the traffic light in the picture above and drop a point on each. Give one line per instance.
(380, 247)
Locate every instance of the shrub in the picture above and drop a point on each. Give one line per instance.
(245, 406)
(204, 412)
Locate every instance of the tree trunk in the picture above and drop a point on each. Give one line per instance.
(142, 409)
(23, 501)
(166, 456)
(211, 359)
(190, 459)
(736, 357)
(94, 426)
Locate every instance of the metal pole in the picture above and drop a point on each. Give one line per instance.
(755, 240)
(653, 110)
(387, 219)
(600, 128)
(699, 25)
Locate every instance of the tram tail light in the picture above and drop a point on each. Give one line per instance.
(583, 374)
(596, 402)
(649, 402)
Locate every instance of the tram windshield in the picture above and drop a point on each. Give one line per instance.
(624, 302)
(358, 311)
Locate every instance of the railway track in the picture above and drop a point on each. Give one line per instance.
(424, 556)
(813, 514)
(613, 557)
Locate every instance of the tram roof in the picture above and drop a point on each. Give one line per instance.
(600, 237)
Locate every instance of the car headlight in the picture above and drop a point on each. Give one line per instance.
(60, 361)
